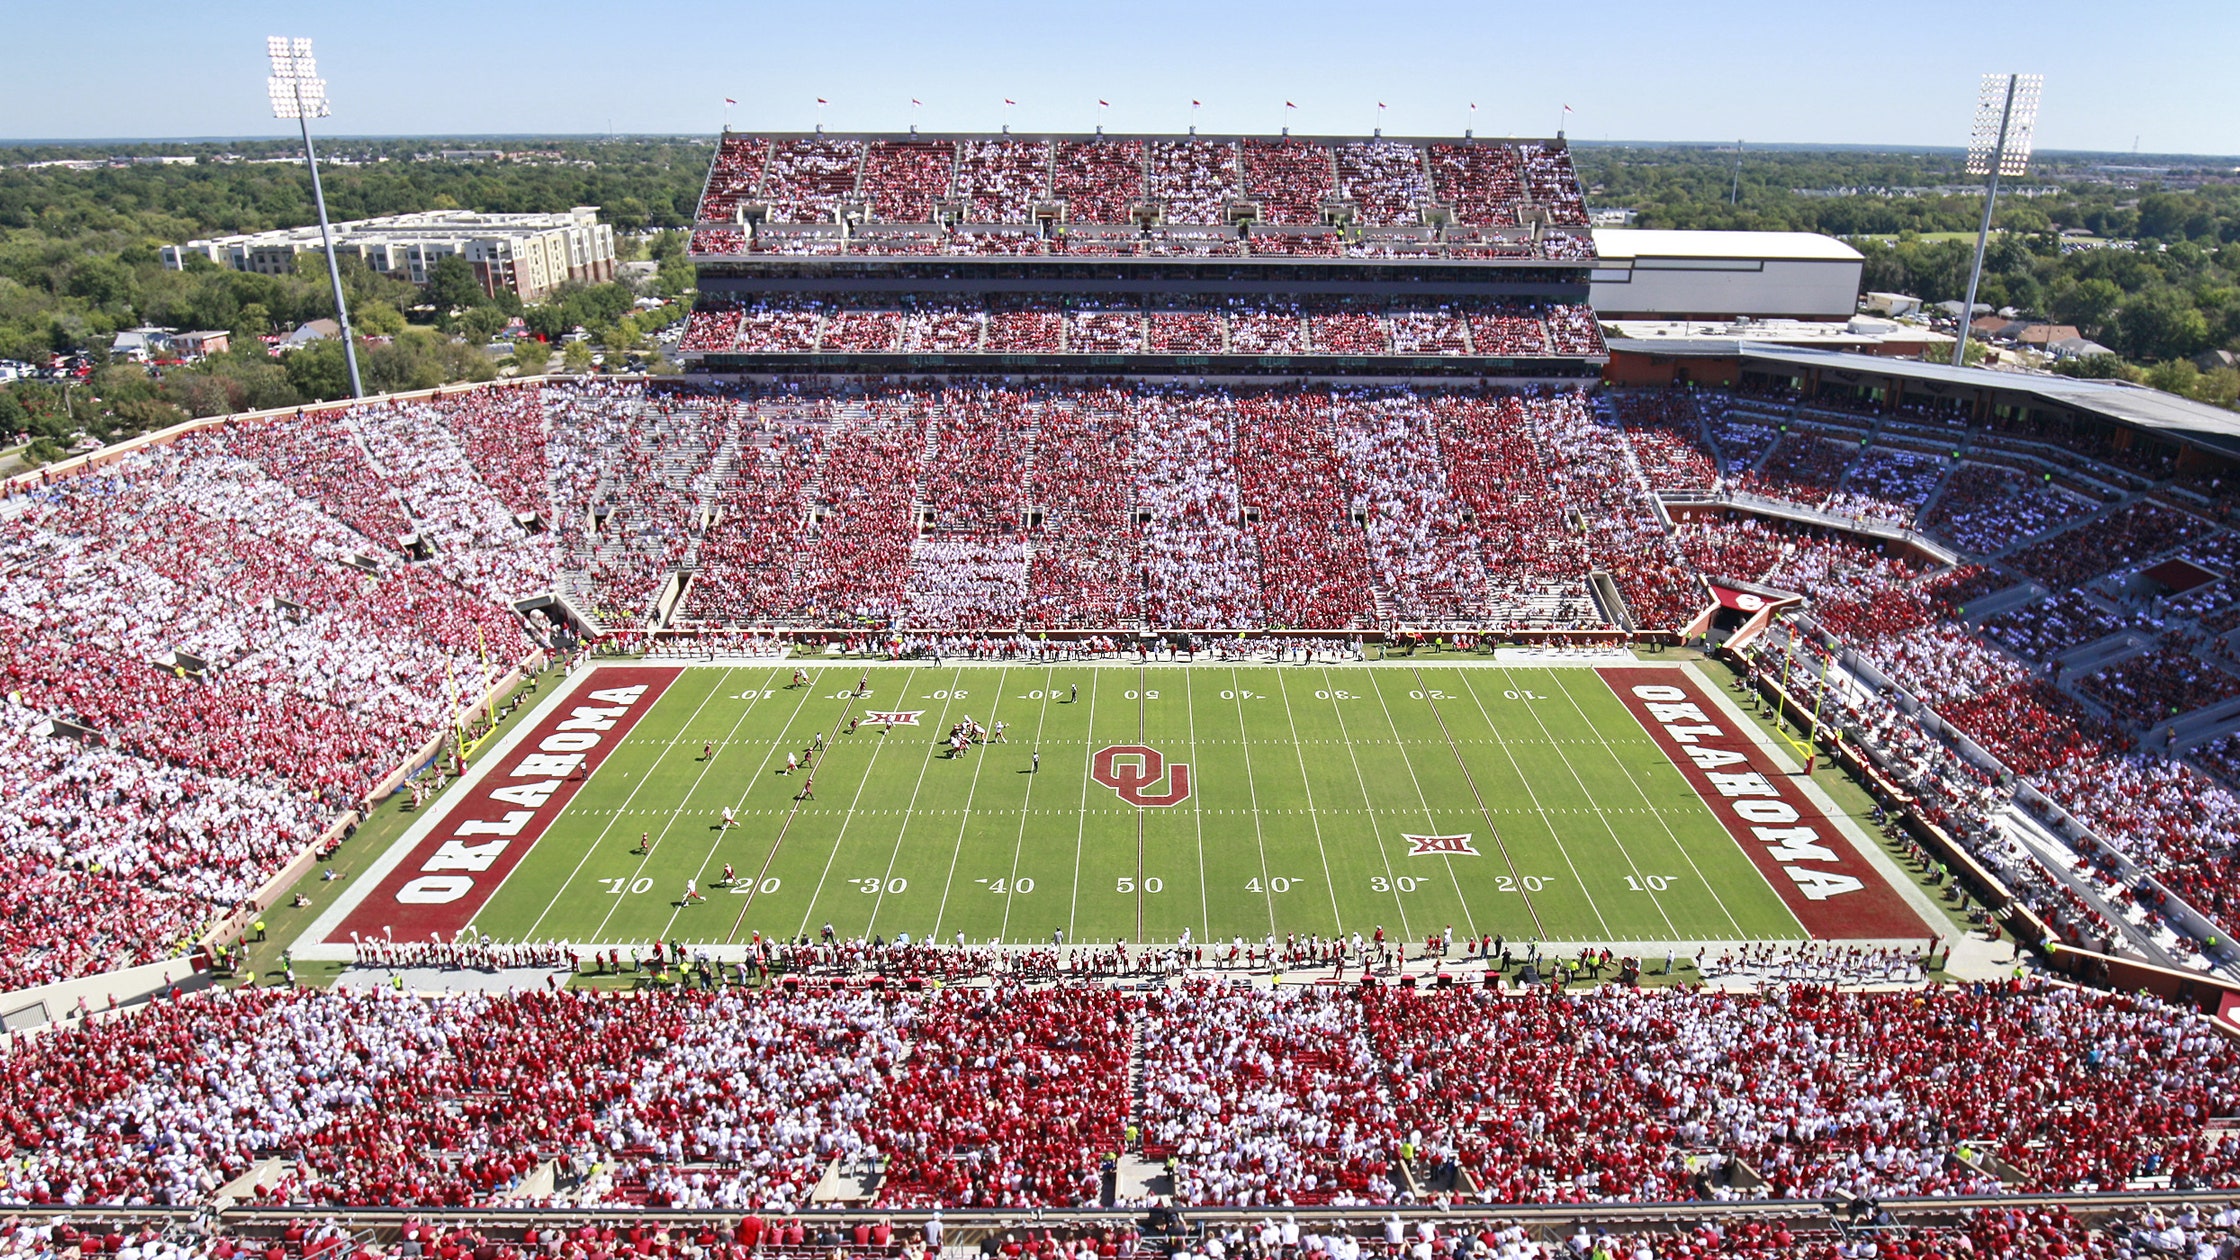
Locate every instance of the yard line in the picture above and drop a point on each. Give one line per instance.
(903, 832)
(1336, 918)
(1493, 830)
(1662, 821)
(809, 908)
(1244, 744)
(593, 847)
(754, 889)
(760, 772)
(1197, 811)
(1140, 735)
(678, 811)
(1081, 816)
(1584, 791)
(1390, 877)
(964, 818)
(1019, 846)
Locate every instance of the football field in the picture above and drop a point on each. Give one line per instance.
(1524, 801)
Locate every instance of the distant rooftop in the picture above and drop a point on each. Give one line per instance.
(1631, 243)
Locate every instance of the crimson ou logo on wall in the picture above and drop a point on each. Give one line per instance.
(1133, 770)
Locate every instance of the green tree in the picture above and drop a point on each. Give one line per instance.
(377, 319)
(252, 321)
(2088, 304)
(576, 358)
(2163, 324)
(452, 285)
(318, 371)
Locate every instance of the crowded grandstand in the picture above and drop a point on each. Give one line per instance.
(1121, 401)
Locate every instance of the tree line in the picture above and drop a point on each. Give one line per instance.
(80, 261)
(2156, 277)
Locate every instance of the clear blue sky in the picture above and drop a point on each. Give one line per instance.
(1804, 71)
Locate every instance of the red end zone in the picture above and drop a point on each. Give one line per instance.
(1833, 890)
(499, 817)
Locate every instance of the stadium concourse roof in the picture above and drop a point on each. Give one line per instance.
(2118, 401)
(1627, 243)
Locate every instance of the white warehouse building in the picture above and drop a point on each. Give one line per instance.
(1661, 274)
(530, 254)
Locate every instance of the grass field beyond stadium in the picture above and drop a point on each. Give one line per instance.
(1520, 800)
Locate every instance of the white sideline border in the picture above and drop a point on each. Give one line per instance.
(313, 945)
(1910, 892)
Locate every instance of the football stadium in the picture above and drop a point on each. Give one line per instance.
(1140, 695)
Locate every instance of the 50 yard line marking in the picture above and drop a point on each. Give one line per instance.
(1139, 813)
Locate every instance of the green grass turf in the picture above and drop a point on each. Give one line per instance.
(1304, 781)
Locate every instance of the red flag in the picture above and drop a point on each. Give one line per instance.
(1195, 104)
(822, 101)
(1289, 105)
(1008, 101)
(1105, 104)
(1380, 104)
(915, 101)
(728, 101)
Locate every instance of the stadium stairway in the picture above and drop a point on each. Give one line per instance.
(2070, 525)
(1136, 1177)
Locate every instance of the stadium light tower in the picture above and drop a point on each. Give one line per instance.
(1999, 144)
(299, 93)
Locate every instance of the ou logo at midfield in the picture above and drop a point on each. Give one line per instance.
(1130, 768)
